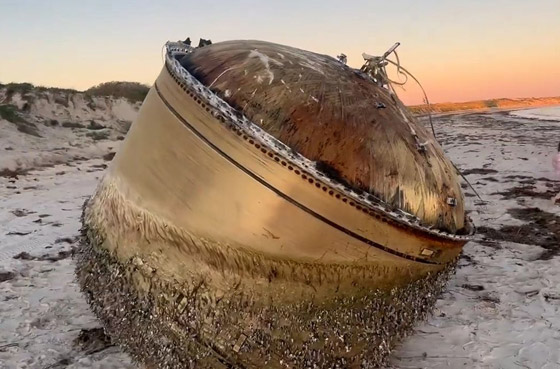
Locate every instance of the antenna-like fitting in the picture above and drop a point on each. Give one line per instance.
(375, 66)
(342, 58)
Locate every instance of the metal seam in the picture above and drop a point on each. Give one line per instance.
(283, 195)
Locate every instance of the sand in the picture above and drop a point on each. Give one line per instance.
(500, 310)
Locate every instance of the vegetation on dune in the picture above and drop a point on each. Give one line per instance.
(132, 91)
(491, 103)
(485, 104)
(55, 89)
(11, 114)
(136, 92)
(30, 92)
(24, 88)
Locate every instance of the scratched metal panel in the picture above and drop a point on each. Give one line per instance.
(331, 114)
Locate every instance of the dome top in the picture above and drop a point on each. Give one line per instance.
(357, 132)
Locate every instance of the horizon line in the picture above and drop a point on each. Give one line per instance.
(2, 84)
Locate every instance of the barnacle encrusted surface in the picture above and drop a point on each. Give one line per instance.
(186, 322)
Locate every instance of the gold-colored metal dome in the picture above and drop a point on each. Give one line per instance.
(355, 130)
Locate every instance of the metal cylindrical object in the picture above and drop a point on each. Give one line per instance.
(240, 224)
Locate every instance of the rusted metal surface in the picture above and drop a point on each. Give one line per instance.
(337, 117)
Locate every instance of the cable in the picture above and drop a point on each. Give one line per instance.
(376, 67)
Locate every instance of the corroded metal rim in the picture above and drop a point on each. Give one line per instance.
(291, 200)
(285, 156)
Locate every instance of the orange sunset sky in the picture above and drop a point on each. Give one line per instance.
(460, 50)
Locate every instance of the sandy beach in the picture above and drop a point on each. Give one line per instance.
(500, 310)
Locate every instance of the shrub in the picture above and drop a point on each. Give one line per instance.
(132, 91)
(10, 113)
(22, 88)
(491, 103)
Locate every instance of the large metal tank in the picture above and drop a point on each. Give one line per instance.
(270, 207)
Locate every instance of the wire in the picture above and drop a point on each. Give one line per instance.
(376, 68)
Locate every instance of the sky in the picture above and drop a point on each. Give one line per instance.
(459, 50)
